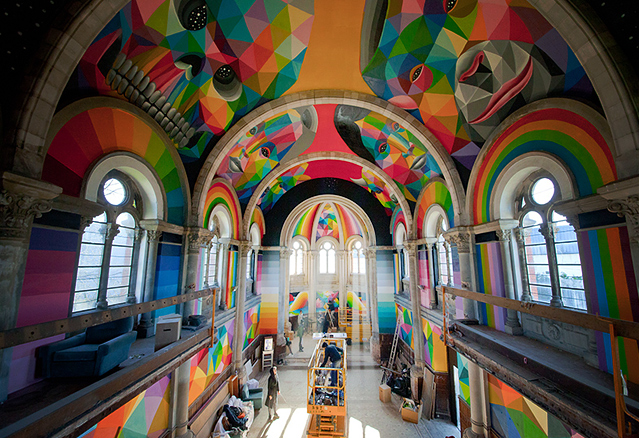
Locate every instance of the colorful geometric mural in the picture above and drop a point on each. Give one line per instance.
(258, 218)
(305, 223)
(221, 193)
(490, 280)
(201, 68)
(231, 278)
(146, 415)
(208, 363)
(354, 302)
(264, 147)
(462, 375)
(350, 225)
(394, 149)
(514, 416)
(434, 348)
(562, 133)
(406, 324)
(396, 219)
(269, 290)
(435, 193)
(608, 272)
(298, 303)
(251, 320)
(327, 223)
(167, 274)
(283, 184)
(100, 131)
(445, 62)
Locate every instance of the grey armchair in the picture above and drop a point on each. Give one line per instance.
(92, 353)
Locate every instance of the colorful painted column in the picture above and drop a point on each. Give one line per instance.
(240, 299)
(504, 235)
(21, 199)
(146, 328)
(418, 344)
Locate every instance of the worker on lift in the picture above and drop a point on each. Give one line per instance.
(334, 353)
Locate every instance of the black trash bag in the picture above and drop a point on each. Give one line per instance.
(232, 413)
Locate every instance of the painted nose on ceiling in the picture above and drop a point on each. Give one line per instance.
(405, 102)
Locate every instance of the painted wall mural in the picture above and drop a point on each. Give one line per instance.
(99, 131)
(406, 324)
(208, 363)
(167, 274)
(389, 145)
(251, 321)
(231, 278)
(514, 416)
(490, 281)
(298, 303)
(327, 223)
(146, 415)
(351, 226)
(265, 146)
(434, 348)
(396, 219)
(200, 67)
(304, 225)
(462, 375)
(385, 292)
(435, 193)
(257, 217)
(562, 133)
(270, 288)
(611, 282)
(461, 67)
(221, 192)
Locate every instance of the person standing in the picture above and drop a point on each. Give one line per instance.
(301, 326)
(273, 389)
(334, 353)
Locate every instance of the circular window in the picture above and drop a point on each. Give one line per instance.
(543, 191)
(296, 245)
(114, 192)
(358, 245)
(327, 245)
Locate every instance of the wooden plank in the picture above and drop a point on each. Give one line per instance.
(30, 333)
(626, 329)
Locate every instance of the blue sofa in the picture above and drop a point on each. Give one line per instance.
(92, 353)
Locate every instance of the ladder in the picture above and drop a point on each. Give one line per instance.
(393, 353)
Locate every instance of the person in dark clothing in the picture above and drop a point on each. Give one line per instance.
(301, 326)
(326, 322)
(273, 389)
(334, 353)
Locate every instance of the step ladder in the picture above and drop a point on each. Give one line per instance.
(393, 353)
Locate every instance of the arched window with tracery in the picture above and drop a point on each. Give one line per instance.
(297, 258)
(327, 258)
(358, 262)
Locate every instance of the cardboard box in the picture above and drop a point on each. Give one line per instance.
(384, 393)
(168, 330)
(408, 413)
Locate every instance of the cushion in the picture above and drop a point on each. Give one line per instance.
(245, 392)
(84, 352)
(109, 330)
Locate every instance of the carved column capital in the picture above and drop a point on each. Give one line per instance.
(112, 230)
(628, 207)
(85, 221)
(461, 241)
(196, 240)
(153, 235)
(547, 231)
(17, 212)
(503, 235)
(410, 246)
(245, 246)
(370, 253)
(285, 253)
(139, 232)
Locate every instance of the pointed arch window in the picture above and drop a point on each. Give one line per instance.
(358, 262)
(297, 258)
(327, 258)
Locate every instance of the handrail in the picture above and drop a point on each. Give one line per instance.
(30, 333)
(623, 328)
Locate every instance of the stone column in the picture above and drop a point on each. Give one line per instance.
(463, 240)
(512, 326)
(223, 260)
(431, 272)
(181, 381)
(476, 387)
(312, 294)
(548, 231)
(21, 200)
(285, 280)
(449, 264)
(341, 276)
(130, 298)
(196, 238)
(240, 299)
(371, 282)
(146, 328)
(520, 236)
(112, 230)
(418, 341)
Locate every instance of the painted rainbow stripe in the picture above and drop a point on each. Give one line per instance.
(222, 193)
(608, 271)
(555, 131)
(490, 280)
(258, 218)
(396, 219)
(304, 226)
(100, 131)
(231, 279)
(435, 193)
(251, 321)
(350, 225)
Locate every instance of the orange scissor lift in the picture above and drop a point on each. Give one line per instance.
(326, 403)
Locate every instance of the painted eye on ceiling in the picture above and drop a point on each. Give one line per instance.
(383, 147)
(416, 73)
(449, 5)
(193, 14)
(265, 152)
(395, 126)
(225, 74)
(253, 130)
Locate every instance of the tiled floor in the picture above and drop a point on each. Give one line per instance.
(368, 417)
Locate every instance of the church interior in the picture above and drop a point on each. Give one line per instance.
(188, 186)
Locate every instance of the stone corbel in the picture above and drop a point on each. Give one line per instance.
(21, 200)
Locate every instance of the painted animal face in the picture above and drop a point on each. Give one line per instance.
(378, 188)
(198, 65)
(264, 147)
